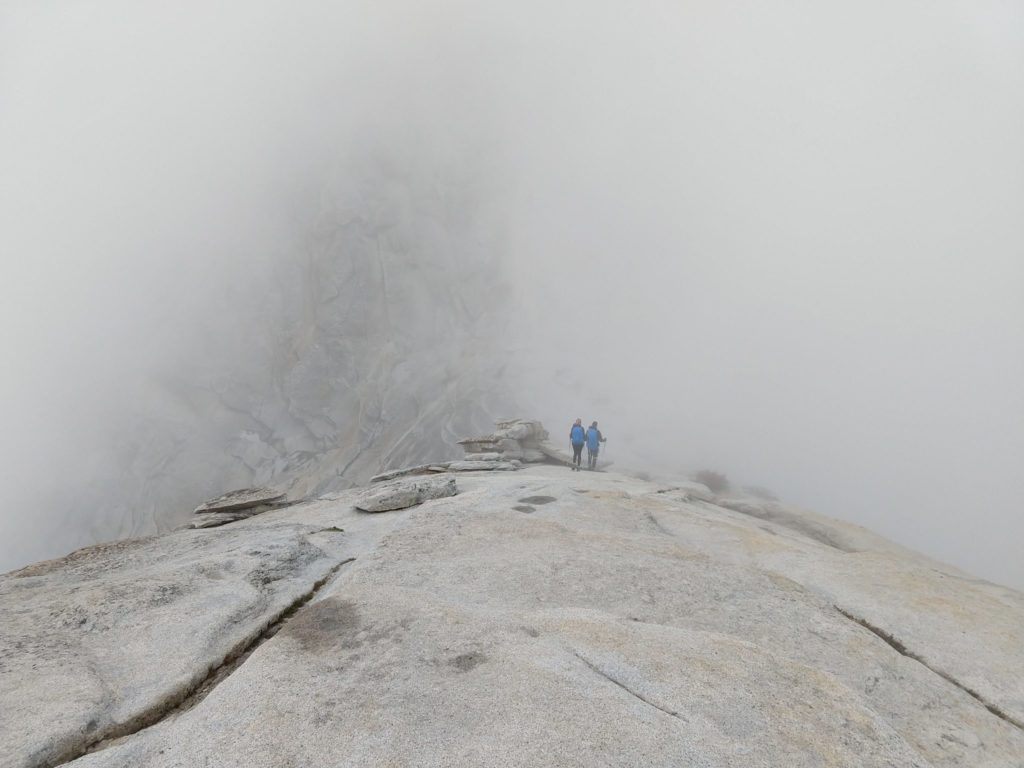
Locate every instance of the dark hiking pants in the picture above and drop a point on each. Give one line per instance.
(592, 457)
(577, 455)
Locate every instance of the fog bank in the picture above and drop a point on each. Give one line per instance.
(782, 241)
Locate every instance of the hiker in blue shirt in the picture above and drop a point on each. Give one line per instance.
(594, 440)
(578, 438)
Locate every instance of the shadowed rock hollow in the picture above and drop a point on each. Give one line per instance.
(620, 623)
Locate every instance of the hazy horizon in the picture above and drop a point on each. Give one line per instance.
(781, 241)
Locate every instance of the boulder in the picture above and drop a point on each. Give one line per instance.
(401, 494)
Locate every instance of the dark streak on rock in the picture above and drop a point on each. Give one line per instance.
(901, 649)
(628, 690)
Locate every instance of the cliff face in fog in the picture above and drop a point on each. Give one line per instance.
(371, 344)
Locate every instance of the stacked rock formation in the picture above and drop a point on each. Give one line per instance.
(513, 443)
(512, 440)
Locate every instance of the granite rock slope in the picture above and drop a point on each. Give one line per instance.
(539, 617)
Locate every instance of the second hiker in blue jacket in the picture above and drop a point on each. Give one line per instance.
(578, 438)
(594, 440)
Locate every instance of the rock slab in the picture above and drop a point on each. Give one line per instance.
(244, 498)
(404, 493)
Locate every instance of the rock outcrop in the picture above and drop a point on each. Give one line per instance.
(538, 618)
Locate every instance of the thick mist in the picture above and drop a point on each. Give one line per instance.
(784, 241)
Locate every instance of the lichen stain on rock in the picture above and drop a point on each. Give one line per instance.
(538, 500)
(464, 662)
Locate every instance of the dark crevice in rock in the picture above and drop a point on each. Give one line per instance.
(628, 690)
(184, 699)
(901, 649)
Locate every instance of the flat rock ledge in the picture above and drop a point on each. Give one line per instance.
(237, 505)
(245, 498)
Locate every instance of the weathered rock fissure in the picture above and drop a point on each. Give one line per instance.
(627, 689)
(901, 649)
(657, 525)
(190, 695)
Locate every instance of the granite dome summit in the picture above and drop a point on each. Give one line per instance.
(536, 618)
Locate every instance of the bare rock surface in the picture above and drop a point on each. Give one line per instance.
(614, 624)
(404, 493)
